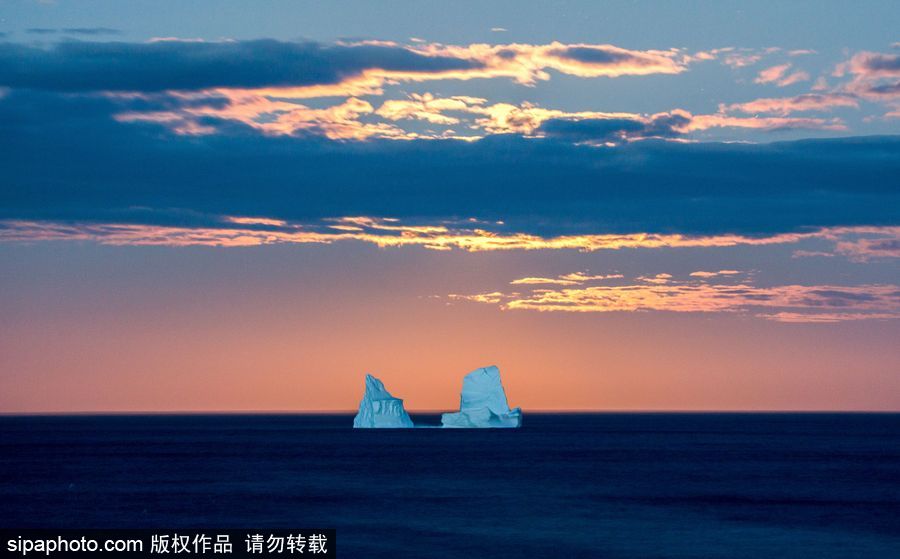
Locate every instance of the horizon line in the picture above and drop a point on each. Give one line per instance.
(610, 411)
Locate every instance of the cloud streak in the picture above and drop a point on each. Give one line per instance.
(343, 121)
(574, 278)
(782, 303)
(860, 244)
(800, 103)
(267, 64)
(781, 76)
(597, 127)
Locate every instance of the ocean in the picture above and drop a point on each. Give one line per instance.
(606, 485)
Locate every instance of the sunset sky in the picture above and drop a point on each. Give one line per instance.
(623, 205)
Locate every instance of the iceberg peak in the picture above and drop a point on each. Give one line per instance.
(378, 408)
(483, 402)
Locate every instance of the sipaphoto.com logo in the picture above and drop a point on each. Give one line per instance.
(49, 546)
(233, 543)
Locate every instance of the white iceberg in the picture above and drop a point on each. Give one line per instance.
(483, 403)
(379, 409)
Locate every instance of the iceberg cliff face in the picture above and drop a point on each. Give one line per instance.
(483, 403)
(379, 409)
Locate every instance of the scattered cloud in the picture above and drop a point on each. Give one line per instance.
(188, 142)
(658, 279)
(336, 122)
(827, 317)
(527, 119)
(800, 103)
(872, 65)
(427, 107)
(594, 127)
(574, 278)
(772, 74)
(783, 303)
(528, 64)
(737, 58)
(821, 84)
(779, 75)
(702, 274)
(705, 122)
(811, 254)
(875, 76)
(868, 248)
(464, 118)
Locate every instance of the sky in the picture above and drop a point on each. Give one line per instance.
(625, 206)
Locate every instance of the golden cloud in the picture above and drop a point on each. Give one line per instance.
(785, 303)
(861, 243)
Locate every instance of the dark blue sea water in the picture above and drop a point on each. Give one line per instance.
(592, 485)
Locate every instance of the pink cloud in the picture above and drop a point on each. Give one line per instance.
(783, 303)
(865, 249)
(703, 122)
(876, 76)
(780, 77)
(800, 103)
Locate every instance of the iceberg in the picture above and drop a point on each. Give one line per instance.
(379, 409)
(483, 403)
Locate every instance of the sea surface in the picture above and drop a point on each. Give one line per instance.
(649, 485)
